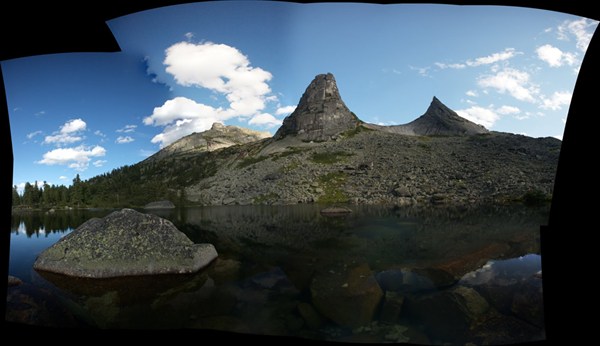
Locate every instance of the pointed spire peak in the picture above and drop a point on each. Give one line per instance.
(321, 114)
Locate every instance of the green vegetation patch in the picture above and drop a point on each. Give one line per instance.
(332, 184)
(535, 198)
(266, 198)
(329, 157)
(353, 132)
(248, 161)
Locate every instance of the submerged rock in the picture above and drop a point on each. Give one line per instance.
(125, 243)
(349, 297)
(336, 211)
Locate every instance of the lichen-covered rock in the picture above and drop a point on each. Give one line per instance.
(125, 243)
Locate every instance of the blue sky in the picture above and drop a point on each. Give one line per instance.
(247, 63)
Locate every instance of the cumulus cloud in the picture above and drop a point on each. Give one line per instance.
(555, 57)
(220, 68)
(68, 133)
(511, 81)
(472, 93)
(479, 115)
(99, 133)
(77, 157)
(556, 101)
(265, 119)
(581, 30)
(33, 134)
(181, 117)
(285, 110)
(124, 139)
(504, 110)
(127, 129)
(62, 177)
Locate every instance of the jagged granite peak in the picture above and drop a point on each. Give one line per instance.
(217, 137)
(321, 114)
(438, 120)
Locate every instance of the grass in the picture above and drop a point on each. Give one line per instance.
(329, 157)
(353, 132)
(535, 198)
(331, 184)
(264, 198)
(251, 160)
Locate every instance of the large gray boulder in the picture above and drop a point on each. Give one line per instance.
(125, 243)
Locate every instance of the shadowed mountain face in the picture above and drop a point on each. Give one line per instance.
(321, 113)
(438, 120)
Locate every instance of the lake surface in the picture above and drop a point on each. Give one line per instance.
(380, 274)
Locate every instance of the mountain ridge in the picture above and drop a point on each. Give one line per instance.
(323, 153)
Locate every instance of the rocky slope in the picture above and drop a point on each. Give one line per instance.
(323, 153)
(219, 136)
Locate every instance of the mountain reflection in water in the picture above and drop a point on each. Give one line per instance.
(377, 275)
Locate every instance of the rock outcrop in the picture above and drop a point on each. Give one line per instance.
(438, 120)
(160, 205)
(125, 243)
(321, 114)
(219, 136)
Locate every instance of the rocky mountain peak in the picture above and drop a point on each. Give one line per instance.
(217, 137)
(441, 120)
(321, 114)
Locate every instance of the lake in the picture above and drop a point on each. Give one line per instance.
(380, 274)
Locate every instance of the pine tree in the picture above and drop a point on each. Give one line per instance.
(16, 198)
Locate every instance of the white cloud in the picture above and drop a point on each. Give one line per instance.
(556, 101)
(124, 139)
(220, 68)
(511, 81)
(99, 163)
(456, 66)
(62, 177)
(99, 133)
(265, 119)
(423, 71)
(494, 58)
(555, 57)
(582, 30)
(127, 129)
(479, 115)
(504, 110)
(181, 117)
(40, 113)
(33, 134)
(77, 157)
(189, 35)
(472, 93)
(285, 110)
(484, 60)
(67, 133)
